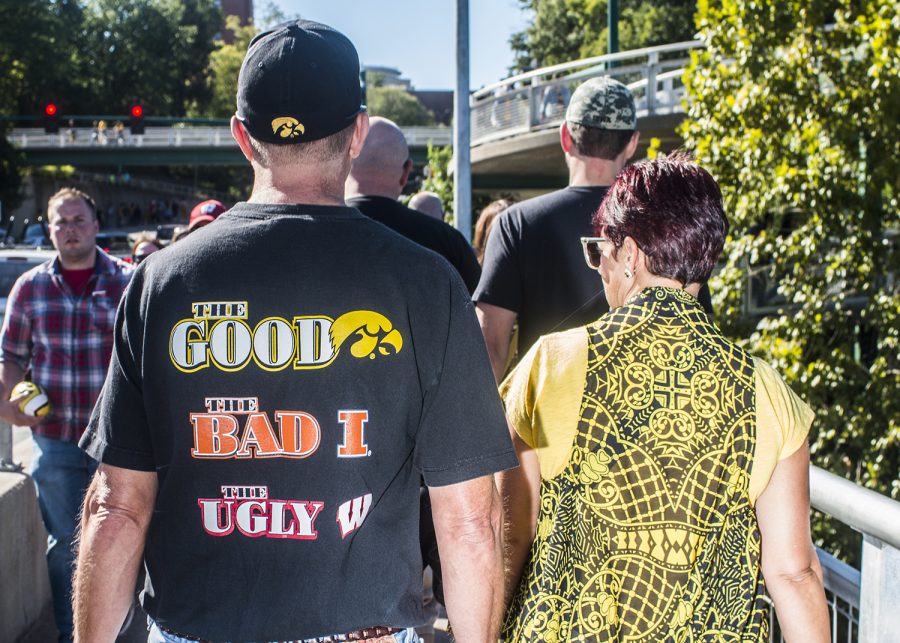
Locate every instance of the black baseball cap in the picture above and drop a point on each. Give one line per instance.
(299, 82)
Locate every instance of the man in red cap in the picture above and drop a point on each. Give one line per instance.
(205, 212)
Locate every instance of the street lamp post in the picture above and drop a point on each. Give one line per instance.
(612, 27)
(462, 170)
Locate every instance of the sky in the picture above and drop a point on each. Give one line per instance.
(417, 36)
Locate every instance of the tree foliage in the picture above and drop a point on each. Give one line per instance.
(437, 176)
(224, 67)
(10, 172)
(102, 56)
(795, 108)
(154, 52)
(34, 53)
(566, 30)
(397, 104)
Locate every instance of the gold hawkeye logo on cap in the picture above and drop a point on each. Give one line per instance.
(287, 127)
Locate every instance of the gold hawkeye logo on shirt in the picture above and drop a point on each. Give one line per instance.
(219, 334)
(287, 127)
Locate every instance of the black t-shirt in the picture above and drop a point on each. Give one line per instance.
(435, 235)
(534, 264)
(290, 372)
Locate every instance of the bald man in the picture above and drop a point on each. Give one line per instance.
(428, 203)
(377, 178)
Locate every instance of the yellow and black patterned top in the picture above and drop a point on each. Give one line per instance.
(647, 530)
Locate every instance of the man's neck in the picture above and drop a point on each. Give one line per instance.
(302, 188)
(592, 172)
(279, 196)
(78, 264)
(354, 188)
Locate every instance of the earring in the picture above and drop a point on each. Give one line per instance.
(628, 274)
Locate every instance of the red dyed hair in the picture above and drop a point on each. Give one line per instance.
(673, 210)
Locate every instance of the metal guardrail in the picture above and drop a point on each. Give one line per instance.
(538, 99)
(862, 603)
(166, 137)
(877, 517)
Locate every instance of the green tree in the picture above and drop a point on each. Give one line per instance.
(795, 107)
(10, 173)
(35, 41)
(33, 55)
(224, 67)
(437, 176)
(397, 104)
(566, 30)
(155, 52)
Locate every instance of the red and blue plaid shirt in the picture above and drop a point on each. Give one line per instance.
(64, 338)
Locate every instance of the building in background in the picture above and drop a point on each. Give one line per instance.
(438, 101)
(243, 9)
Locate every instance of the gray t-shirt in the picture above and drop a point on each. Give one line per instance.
(290, 372)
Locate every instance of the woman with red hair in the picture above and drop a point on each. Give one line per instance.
(663, 486)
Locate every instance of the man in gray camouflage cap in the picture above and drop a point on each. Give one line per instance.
(533, 267)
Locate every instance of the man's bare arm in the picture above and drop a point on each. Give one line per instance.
(520, 490)
(496, 326)
(789, 562)
(114, 521)
(467, 523)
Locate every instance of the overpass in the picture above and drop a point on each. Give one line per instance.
(515, 139)
(178, 143)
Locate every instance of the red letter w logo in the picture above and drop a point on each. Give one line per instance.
(351, 514)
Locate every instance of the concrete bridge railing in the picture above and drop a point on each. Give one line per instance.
(538, 99)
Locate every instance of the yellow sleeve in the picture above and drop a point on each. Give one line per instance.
(782, 425)
(543, 395)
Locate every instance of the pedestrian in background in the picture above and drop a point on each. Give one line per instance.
(58, 329)
(664, 471)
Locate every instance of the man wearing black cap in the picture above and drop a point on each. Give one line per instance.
(280, 382)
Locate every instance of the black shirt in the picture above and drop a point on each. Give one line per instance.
(534, 264)
(291, 373)
(430, 233)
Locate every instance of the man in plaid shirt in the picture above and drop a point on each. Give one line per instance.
(59, 323)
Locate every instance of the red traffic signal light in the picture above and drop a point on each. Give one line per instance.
(137, 120)
(51, 119)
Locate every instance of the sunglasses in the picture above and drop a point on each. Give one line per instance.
(592, 252)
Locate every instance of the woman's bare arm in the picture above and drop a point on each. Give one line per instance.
(789, 562)
(520, 490)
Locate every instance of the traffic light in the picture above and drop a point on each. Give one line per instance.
(137, 120)
(51, 119)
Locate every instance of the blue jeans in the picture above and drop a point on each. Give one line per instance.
(158, 636)
(61, 472)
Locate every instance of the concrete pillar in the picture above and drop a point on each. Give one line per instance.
(24, 583)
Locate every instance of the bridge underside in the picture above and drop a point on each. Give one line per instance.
(534, 161)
